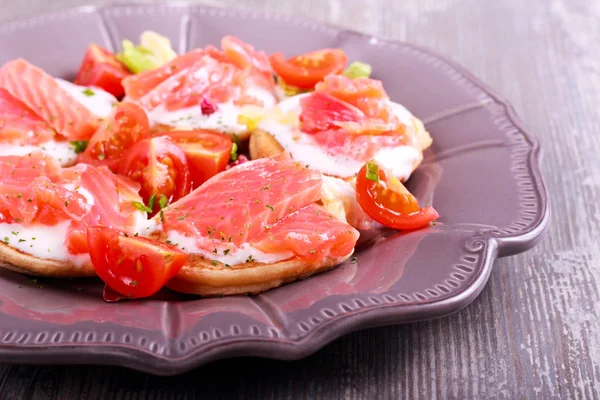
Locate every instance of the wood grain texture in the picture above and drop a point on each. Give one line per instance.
(535, 331)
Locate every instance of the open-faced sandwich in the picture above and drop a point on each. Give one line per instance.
(132, 172)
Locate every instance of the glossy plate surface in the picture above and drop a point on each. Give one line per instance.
(482, 175)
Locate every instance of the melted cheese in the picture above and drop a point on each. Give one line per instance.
(98, 101)
(42, 241)
(225, 119)
(62, 151)
(234, 256)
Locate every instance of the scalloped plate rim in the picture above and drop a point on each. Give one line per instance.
(134, 357)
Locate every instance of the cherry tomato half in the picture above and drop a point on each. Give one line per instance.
(387, 201)
(160, 167)
(133, 266)
(101, 68)
(127, 125)
(306, 70)
(207, 152)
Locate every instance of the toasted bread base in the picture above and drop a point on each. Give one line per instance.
(18, 261)
(200, 277)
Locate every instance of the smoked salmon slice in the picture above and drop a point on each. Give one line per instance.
(40, 92)
(140, 84)
(35, 190)
(235, 206)
(29, 196)
(19, 125)
(112, 197)
(311, 233)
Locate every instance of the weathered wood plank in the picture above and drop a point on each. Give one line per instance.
(534, 332)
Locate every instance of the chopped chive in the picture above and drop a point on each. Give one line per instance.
(21, 240)
(235, 138)
(312, 251)
(214, 262)
(162, 216)
(163, 201)
(79, 146)
(372, 172)
(233, 152)
(141, 206)
(88, 92)
(226, 251)
(183, 217)
(354, 260)
(270, 207)
(134, 283)
(358, 70)
(101, 156)
(152, 201)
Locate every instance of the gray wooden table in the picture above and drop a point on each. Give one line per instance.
(535, 330)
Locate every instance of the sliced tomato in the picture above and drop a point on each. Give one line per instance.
(244, 55)
(133, 266)
(306, 70)
(160, 167)
(207, 152)
(101, 68)
(127, 125)
(385, 199)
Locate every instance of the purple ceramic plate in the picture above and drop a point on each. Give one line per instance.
(482, 174)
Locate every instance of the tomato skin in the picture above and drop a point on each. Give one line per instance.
(133, 266)
(393, 206)
(207, 152)
(127, 125)
(306, 70)
(161, 168)
(101, 68)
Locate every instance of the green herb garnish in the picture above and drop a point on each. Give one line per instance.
(233, 152)
(163, 201)
(372, 172)
(88, 92)
(79, 146)
(270, 207)
(141, 207)
(358, 70)
(152, 201)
